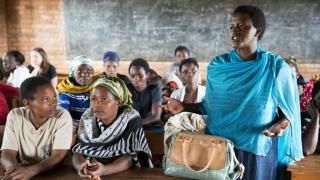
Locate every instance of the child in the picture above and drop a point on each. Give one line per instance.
(38, 134)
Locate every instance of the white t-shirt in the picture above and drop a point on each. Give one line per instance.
(180, 93)
(18, 76)
(34, 145)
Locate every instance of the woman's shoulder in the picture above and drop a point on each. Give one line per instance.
(176, 93)
(21, 70)
(19, 112)
(278, 62)
(132, 115)
(51, 68)
(51, 72)
(223, 58)
(87, 115)
(154, 87)
(124, 78)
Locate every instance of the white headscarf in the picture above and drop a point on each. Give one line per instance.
(79, 60)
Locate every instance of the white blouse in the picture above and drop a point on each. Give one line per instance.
(18, 76)
(180, 93)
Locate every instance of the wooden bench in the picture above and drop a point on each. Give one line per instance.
(61, 76)
(155, 142)
(306, 169)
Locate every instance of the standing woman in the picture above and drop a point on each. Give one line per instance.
(252, 99)
(40, 66)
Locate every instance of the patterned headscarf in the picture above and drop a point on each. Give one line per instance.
(77, 61)
(117, 87)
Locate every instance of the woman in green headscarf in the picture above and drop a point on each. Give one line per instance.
(110, 132)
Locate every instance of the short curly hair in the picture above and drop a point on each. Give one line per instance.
(29, 86)
(256, 15)
(181, 48)
(17, 55)
(140, 62)
(188, 61)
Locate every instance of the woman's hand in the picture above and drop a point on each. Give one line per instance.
(95, 170)
(277, 129)
(173, 106)
(83, 170)
(21, 173)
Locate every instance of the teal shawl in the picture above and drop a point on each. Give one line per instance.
(242, 100)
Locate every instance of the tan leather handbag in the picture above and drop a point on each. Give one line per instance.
(200, 156)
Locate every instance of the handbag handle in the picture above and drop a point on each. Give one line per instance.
(184, 144)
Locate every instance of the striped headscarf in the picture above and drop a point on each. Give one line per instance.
(77, 61)
(117, 87)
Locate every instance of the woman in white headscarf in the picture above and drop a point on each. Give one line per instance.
(74, 91)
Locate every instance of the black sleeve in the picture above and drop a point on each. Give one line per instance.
(51, 72)
(124, 78)
(156, 95)
(301, 81)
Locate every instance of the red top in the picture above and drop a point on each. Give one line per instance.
(6, 91)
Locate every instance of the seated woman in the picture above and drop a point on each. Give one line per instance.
(75, 89)
(146, 97)
(13, 64)
(310, 122)
(40, 66)
(110, 132)
(111, 62)
(192, 92)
